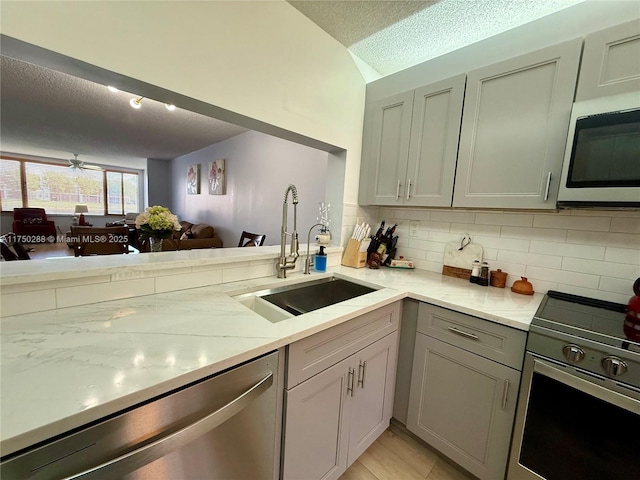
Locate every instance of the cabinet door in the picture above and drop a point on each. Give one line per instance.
(514, 130)
(610, 62)
(373, 396)
(433, 150)
(463, 405)
(386, 148)
(316, 425)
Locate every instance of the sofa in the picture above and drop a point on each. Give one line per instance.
(191, 236)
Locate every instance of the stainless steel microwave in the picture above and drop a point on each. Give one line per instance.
(601, 166)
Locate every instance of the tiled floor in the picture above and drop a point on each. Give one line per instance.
(398, 456)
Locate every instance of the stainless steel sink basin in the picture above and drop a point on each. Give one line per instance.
(285, 302)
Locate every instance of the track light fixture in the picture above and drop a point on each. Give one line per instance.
(136, 102)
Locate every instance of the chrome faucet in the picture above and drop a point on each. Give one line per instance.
(288, 262)
(307, 262)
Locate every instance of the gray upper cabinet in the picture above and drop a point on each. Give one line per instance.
(386, 148)
(610, 62)
(514, 128)
(410, 146)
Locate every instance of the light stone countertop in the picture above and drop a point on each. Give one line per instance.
(63, 368)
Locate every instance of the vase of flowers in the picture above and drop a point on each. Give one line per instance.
(155, 224)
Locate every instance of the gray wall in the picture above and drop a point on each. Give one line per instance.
(159, 182)
(259, 168)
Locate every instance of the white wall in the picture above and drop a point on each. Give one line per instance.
(258, 170)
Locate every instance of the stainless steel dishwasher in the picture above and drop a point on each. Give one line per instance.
(222, 427)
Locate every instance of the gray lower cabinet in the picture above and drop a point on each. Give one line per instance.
(461, 402)
(334, 415)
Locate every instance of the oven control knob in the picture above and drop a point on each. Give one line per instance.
(614, 366)
(573, 353)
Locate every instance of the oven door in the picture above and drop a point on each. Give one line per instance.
(573, 424)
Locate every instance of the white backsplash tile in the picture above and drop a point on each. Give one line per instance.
(567, 250)
(609, 239)
(184, 281)
(86, 294)
(561, 276)
(622, 255)
(512, 219)
(607, 269)
(520, 258)
(586, 252)
(553, 235)
(27, 302)
(598, 224)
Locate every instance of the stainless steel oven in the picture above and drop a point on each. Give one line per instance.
(578, 411)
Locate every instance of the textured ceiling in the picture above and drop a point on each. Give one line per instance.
(393, 35)
(54, 111)
(354, 20)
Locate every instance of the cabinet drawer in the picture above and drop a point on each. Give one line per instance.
(491, 340)
(313, 354)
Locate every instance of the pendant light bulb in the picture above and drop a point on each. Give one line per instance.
(170, 107)
(136, 102)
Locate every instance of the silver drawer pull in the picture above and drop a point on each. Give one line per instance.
(546, 190)
(463, 334)
(398, 190)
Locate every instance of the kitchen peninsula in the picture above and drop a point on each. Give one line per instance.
(83, 359)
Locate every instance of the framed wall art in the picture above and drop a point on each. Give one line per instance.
(217, 178)
(193, 179)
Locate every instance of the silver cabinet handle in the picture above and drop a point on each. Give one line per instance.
(362, 367)
(408, 189)
(505, 394)
(142, 456)
(463, 334)
(546, 190)
(350, 378)
(398, 190)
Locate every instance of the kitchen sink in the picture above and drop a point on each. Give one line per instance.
(280, 303)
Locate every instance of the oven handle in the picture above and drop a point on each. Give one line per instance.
(576, 381)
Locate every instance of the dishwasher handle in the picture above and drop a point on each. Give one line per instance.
(142, 456)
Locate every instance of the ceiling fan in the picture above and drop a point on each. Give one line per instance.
(75, 165)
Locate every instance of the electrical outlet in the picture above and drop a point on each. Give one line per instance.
(414, 226)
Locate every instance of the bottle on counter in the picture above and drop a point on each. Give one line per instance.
(484, 275)
(475, 271)
(321, 260)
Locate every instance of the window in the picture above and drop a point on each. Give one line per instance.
(58, 189)
(122, 192)
(10, 186)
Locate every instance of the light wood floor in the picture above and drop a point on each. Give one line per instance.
(396, 455)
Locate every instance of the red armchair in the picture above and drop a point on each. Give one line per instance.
(31, 225)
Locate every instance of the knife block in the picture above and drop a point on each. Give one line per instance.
(355, 255)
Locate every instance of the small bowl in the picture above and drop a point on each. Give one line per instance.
(523, 287)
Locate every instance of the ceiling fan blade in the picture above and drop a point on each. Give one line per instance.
(92, 167)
